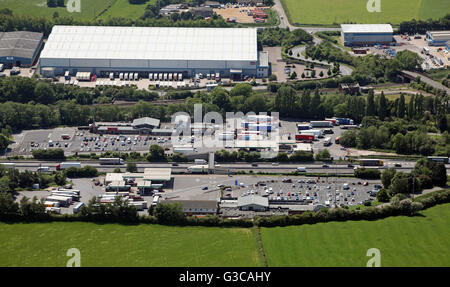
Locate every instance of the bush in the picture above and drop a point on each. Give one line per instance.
(50, 154)
(367, 173)
(87, 171)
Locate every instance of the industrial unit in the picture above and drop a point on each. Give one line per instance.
(231, 52)
(437, 38)
(138, 126)
(366, 34)
(19, 48)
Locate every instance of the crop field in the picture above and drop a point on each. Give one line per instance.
(123, 9)
(306, 12)
(423, 240)
(46, 244)
(90, 9)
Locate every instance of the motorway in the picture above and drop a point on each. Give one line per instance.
(339, 168)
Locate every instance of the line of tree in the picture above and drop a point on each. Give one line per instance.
(422, 26)
(426, 174)
(12, 179)
(405, 206)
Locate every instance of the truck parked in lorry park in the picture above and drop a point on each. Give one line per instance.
(111, 161)
(321, 124)
(304, 138)
(65, 165)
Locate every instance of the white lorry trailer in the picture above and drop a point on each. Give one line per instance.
(64, 165)
(111, 161)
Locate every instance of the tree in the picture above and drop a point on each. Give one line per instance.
(293, 75)
(387, 175)
(348, 139)
(321, 74)
(284, 100)
(4, 142)
(313, 73)
(169, 213)
(383, 195)
(131, 166)
(370, 108)
(401, 107)
(51, 3)
(442, 123)
(382, 107)
(156, 153)
(439, 174)
(315, 103)
(8, 207)
(44, 93)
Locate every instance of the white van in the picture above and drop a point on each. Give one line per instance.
(301, 169)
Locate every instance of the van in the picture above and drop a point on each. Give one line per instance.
(301, 169)
(345, 186)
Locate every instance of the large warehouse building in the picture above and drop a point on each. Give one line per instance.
(19, 48)
(438, 38)
(232, 52)
(366, 34)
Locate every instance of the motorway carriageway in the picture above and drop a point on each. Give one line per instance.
(263, 167)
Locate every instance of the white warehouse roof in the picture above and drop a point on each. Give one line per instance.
(367, 28)
(151, 43)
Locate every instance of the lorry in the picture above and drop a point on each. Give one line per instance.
(302, 127)
(9, 165)
(65, 165)
(78, 207)
(184, 150)
(344, 121)
(370, 162)
(200, 161)
(63, 200)
(73, 195)
(43, 169)
(111, 161)
(155, 200)
(304, 138)
(198, 169)
(51, 204)
(316, 133)
(321, 124)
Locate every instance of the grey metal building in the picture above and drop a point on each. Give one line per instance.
(366, 34)
(19, 48)
(102, 50)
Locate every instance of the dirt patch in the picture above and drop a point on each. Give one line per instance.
(240, 13)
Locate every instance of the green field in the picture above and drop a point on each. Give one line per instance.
(122, 8)
(306, 12)
(46, 244)
(422, 240)
(90, 9)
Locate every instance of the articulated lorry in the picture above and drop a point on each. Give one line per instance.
(111, 161)
(65, 165)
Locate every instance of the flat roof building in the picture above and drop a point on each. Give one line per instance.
(103, 49)
(437, 38)
(196, 207)
(19, 48)
(366, 34)
(253, 203)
